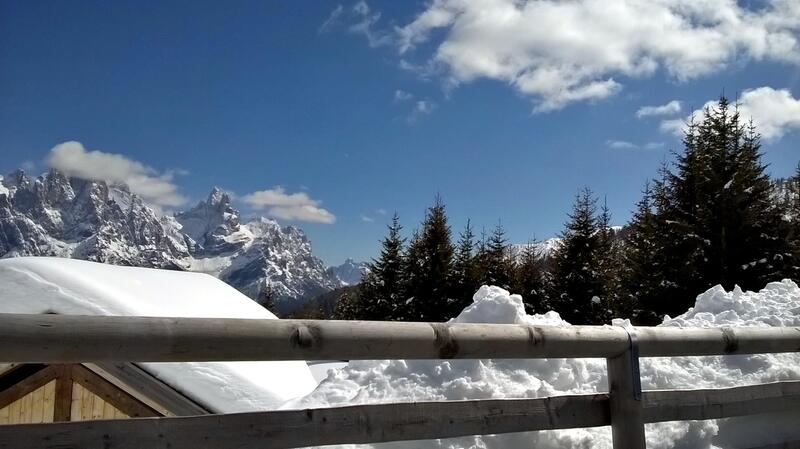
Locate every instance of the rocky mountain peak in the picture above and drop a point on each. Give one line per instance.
(210, 221)
(350, 272)
(218, 198)
(54, 215)
(58, 215)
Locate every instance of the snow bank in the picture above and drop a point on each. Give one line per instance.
(68, 286)
(415, 380)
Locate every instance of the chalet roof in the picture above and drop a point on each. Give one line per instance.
(67, 286)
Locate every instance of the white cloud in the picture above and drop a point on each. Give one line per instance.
(333, 19)
(381, 211)
(561, 52)
(625, 145)
(28, 165)
(365, 23)
(671, 108)
(425, 106)
(289, 206)
(401, 95)
(421, 107)
(773, 111)
(620, 145)
(72, 159)
(358, 19)
(653, 145)
(367, 219)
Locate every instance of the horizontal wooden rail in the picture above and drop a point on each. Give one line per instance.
(715, 403)
(71, 339)
(393, 422)
(300, 428)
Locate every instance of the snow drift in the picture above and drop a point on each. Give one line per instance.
(75, 287)
(415, 380)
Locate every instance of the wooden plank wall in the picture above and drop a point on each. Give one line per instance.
(33, 408)
(87, 405)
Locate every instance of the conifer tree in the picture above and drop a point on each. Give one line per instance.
(381, 291)
(793, 234)
(577, 283)
(480, 260)
(464, 281)
(715, 218)
(529, 279)
(267, 297)
(608, 261)
(348, 307)
(413, 277)
(640, 270)
(497, 262)
(430, 261)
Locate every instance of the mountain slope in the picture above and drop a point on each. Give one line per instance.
(54, 215)
(256, 256)
(350, 272)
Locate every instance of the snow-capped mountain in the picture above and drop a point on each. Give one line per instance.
(256, 257)
(350, 272)
(54, 215)
(544, 249)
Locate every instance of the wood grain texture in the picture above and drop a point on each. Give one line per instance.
(680, 405)
(394, 422)
(296, 428)
(627, 422)
(147, 389)
(70, 339)
(62, 401)
(27, 385)
(101, 391)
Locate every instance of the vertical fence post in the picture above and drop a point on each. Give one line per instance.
(624, 386)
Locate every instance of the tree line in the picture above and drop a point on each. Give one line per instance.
(713, 216)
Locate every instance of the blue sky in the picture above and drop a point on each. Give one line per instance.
(356, 110)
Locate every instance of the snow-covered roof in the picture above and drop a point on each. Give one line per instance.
(68, 286)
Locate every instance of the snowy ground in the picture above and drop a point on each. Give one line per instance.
(415, 380)
(41, 285)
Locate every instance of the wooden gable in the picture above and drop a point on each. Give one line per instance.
(38, 393)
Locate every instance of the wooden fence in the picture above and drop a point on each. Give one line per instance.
(75, 339)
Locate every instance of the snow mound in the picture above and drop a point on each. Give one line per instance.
(385, 381)
(778, 304)
(75, 287)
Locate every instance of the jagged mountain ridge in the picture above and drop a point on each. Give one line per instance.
(254, 257)
(53, 215)
(56, 215)
(350, 272)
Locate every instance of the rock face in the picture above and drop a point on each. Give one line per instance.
(53, 215)
(350, 272)
(256, 257)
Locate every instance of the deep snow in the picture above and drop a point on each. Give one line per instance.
(416, 380)
(68, 286)
(40, 285)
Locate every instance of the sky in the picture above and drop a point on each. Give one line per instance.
(332, 116)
